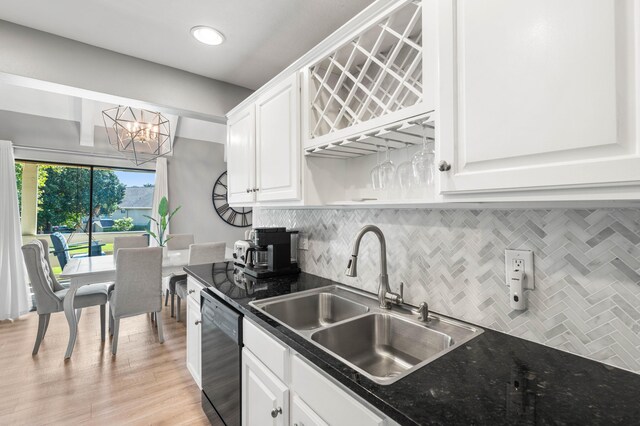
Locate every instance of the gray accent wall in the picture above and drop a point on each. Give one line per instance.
(193, 169)
(44, 133)
(587, 268)
(29, 55)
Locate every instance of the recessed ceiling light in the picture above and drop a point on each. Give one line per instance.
(207, 35)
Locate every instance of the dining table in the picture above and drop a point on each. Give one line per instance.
(100, 269)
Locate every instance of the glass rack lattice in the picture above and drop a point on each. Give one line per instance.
(376, 73)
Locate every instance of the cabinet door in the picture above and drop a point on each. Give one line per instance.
(193, 339)
(332, 404)
(265, 399)
(278, 142)
(241, 156)
(303, 415)
(538, 94)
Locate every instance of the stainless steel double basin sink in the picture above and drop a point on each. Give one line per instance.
(385, 345)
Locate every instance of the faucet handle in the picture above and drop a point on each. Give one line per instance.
(401, 290)
(423, 312)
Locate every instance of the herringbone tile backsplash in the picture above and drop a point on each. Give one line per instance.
(587, 267)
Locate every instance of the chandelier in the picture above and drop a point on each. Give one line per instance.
(139, 135)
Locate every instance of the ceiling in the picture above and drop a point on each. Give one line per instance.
(262, 36)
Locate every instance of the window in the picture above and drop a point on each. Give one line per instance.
(133, 191)
(80, 209)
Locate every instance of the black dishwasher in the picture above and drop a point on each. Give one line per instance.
(221, 355)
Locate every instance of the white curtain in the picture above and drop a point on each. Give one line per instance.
(161, 190)
(14, 293)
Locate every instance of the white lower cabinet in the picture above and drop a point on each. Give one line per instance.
(265, 399)
(193, 339)
(332, 404)
(299, 394)
(303, 415)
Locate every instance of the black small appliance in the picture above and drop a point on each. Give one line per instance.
(275, 245)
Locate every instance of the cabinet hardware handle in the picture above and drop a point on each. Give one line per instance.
(444, 166)
(197, 322)
(248, 190)
(257, 189)
(191, 291)
(276, 411)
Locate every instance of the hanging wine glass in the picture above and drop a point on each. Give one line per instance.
(422, 162)
(404, 173)
(375, 172)
(387, 170)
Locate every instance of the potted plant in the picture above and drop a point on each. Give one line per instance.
(162, 224)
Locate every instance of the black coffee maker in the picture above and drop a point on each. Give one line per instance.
(271, 253)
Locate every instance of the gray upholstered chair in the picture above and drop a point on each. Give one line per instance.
(198, 255)
(136, 241)
(137, 288)
(206, 253)
(176, 242)
(49, 294)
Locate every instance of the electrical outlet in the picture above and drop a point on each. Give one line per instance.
(303, 242)
(518, 264)
(521, 260)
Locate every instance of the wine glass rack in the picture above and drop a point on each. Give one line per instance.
(377, 73)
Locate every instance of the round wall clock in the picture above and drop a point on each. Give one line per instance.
(238, 217)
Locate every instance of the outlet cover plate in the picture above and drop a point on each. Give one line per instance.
(303, 242)
(512, 258)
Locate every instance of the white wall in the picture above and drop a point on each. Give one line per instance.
(193, 169)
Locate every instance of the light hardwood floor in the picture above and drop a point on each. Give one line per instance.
(146, 383)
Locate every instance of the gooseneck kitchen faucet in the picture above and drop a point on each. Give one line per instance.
(385, 296)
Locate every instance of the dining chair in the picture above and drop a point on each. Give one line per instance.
(198, 255)
(137, 289)
(136, 241)
(49, 294)
(175, 242)
(61, 248)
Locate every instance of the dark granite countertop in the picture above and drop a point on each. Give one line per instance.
(494, 379)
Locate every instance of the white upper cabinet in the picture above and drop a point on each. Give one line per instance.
(526, 100)
(538, 94)
(278, 142)
(241, 156)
